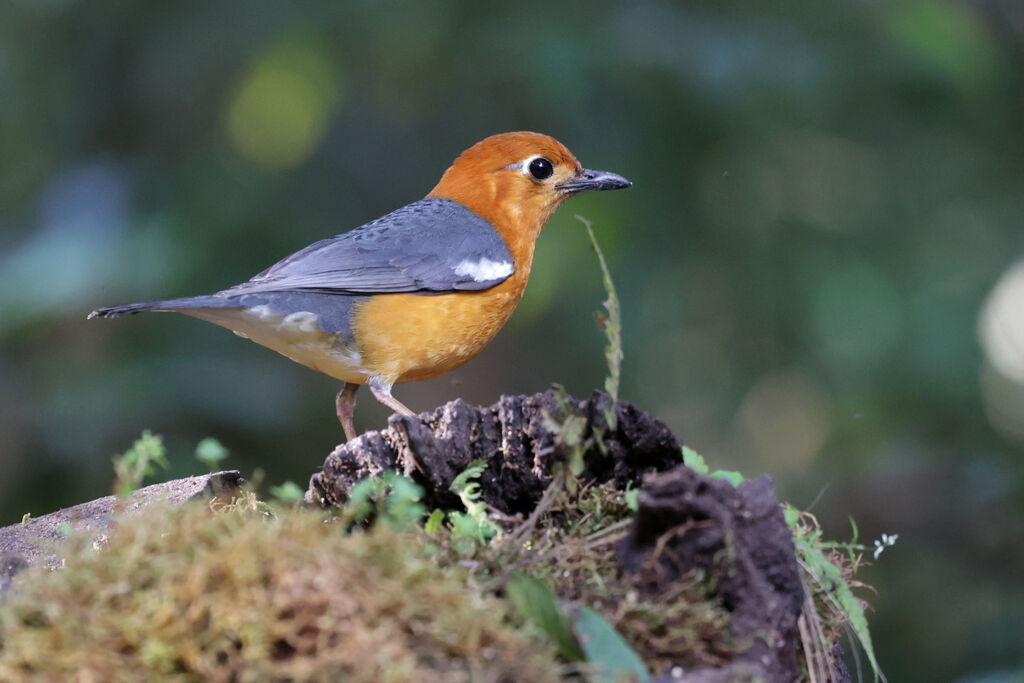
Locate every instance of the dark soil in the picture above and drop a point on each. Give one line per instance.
(737, 535)
(685, 520)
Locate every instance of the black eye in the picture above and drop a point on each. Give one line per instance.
(540, 168)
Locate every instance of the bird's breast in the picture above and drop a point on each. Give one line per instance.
(403, 337)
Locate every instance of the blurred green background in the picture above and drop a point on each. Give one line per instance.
(820, 262)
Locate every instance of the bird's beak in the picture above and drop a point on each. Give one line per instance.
(589, 179)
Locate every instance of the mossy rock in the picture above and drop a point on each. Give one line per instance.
(243, 596)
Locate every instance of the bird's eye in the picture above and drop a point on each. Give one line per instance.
(540, 168)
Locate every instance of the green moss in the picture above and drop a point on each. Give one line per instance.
(242, 595)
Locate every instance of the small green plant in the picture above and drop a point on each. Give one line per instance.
(474, 522)
(389, 498)
(611, 325)
(139, 462)
(695, 461)
(570, 444)
(828, 568)
(569, 428)
(211, 453)
(472, 528)
(288, 492)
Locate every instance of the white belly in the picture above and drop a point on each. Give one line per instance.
(296, 336)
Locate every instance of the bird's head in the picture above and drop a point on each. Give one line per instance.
(517, 180)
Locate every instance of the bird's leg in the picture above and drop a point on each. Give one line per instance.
(382, 392)
(346, 404)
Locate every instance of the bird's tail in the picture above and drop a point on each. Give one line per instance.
(165, 305)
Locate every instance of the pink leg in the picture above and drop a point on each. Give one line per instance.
(382, 392)
(346, 405)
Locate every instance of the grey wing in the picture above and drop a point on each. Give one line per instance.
(433, 245)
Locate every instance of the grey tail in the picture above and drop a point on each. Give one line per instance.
(165, 305)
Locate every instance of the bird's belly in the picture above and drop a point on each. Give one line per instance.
(297, 336)
(403, 337)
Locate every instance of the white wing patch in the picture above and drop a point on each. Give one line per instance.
(484, 269)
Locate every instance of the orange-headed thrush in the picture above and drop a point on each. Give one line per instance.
(414, 293)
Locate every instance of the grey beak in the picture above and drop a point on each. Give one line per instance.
(593, 180)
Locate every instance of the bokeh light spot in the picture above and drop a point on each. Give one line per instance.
(1001, 330)
(784, 420)
(1001, 325)
(1003, 400)
(279, 111)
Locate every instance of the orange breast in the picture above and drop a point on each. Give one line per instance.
(404, 337)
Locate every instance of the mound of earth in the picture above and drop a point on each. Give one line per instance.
(684, 520)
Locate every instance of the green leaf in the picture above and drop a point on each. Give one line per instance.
(606, 650)
(138, 462)
(210, 451)
(434, 522)
(694, 460)
(537, 603)
(572, 430)
(403, 502)
(468, 489)
(731, 476)
(465, 526)
(833, 582)
(474, 470)
(390, 495)
(791, 515)
(569, 434)
(360, 501)
(632, 499)
(288, 492)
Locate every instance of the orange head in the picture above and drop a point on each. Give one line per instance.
(516, 181)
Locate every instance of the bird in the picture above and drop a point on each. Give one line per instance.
(416, 292)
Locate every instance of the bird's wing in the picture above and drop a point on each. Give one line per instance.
(433, 245)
